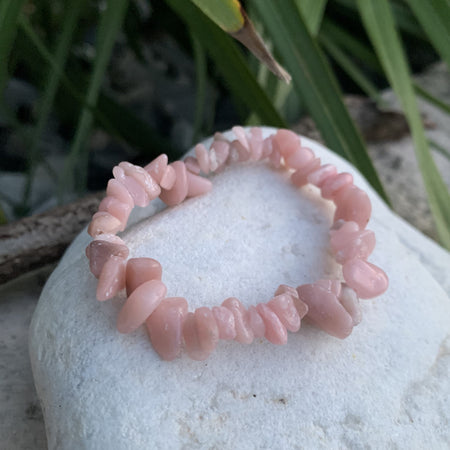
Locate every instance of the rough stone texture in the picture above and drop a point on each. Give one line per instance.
(386, 386)
(21, 421)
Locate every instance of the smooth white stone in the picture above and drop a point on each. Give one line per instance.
(386, 386)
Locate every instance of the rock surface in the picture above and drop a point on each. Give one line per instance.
(387, 385)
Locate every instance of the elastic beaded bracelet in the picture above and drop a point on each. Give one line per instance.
(331, 305)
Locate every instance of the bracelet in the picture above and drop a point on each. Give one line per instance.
(331, 305)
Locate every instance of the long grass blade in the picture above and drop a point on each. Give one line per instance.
(434, 16)
(110, 24)
(229, 62)
(379, 23)
(201, 74)
(9, 15)
(352, 69)
(312, 12)
(315, 84)
(51, 87)
(429, 97)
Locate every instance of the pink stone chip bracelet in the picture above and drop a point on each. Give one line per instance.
(331, 305)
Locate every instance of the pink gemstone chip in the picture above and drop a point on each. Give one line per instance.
(112, 278)
(202, 157)
(333, 185)
(191, 339)
(165, 327)
(321, 175)
(300, 158)
(300, 177)
(225, 322)
(367, 279)
(135, 189)
(179, 190)
(256, 143)
(256, 322)
(286, 142)
(244, 333)
(168, 178)
(102, 248)
(140, 270)
(207, 329)
(103, 223)
(140, 305)
(197, 185)
(275, 331)
(353, 204)
(283, 306)
(157, 167)
(325, 311)
(192, 165)
(117, 190)
(117, 209)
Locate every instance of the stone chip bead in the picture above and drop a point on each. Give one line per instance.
(102, 248)
(353, 204)
(179, 190)
(348, 241)
(157, 167)
(275, 331)
(165, 327)
(244, 332)
(140, 270)
(225, 322)
(283, 306)
(111, 279)
(324, 309)
(367, 279)
(140, 305)
(103, 223)
(116, 208)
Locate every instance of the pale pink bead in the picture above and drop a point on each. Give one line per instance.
(238, 152)
(149, 184)
(179, 190)
(319, 176)
(165, 327)
(332, 186)
(135, 189)
(100, 250)
(300, 177)
(256, 143)
(367, 279)
(299, 158)
(203, 157)
(140, 270)
(218, 155)
(192, 165)
(256, 322)
(347, 243)
(225, 322)
(275, 159)
(207, 329)
(244, 333)
(286, 142)
(140, 305)
(191, 339)
(197, 185)
(112, 278)
(349, 300)
(302, 308)
(220, 137)
(103, 223)
(157, 167)
(239, 132)
(325, 311)
(168, 179)
(117, 209)
(267, 147)
(353, 204)
(116, 189)
(333, 286)
(283, 306)
(275, 330)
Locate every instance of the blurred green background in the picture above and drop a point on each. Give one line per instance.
(86, 84)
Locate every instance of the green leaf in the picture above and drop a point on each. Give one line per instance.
(379, 23)
(9, 15)
(229, 62)
(428, 96)
(225, 13)
(312, 12)
(352, 70)
(315, 84)
(110, 24)
(51, 87)
(434, 16)
(201, 73)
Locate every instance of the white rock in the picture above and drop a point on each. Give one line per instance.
(386, 386)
